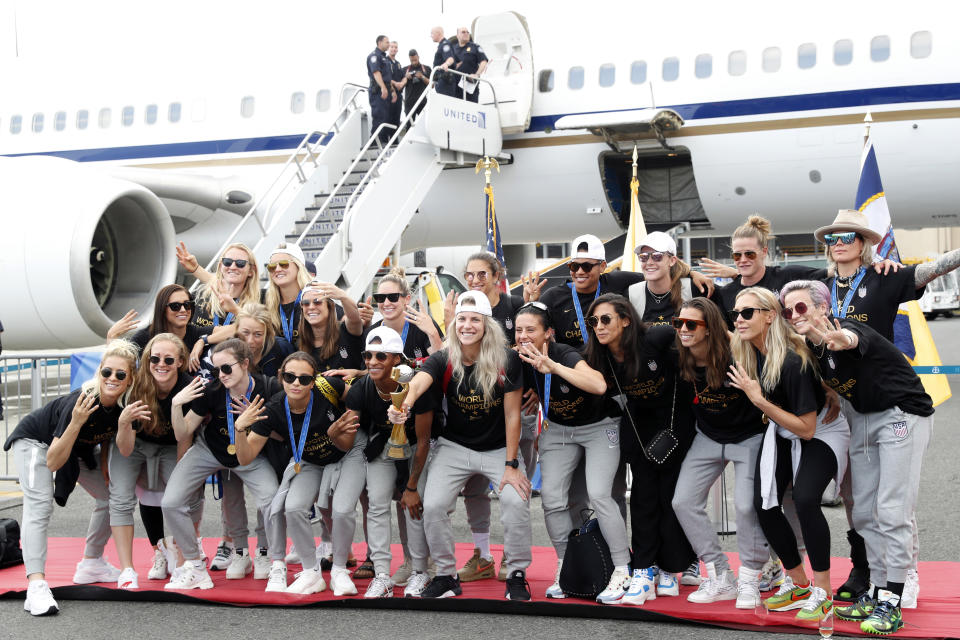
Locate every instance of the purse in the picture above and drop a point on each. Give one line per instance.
(587, 565)
(664, 441)
(10, 554)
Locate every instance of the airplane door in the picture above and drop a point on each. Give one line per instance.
(505, 39)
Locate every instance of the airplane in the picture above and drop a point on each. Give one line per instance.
(124, 129)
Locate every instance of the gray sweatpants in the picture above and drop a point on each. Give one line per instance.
(346, 480)
(297, 493)
(703, 464)
(451, 467)
(195, 465)
(147, 457)
(561, 449)
(36, 483)
(886, 455)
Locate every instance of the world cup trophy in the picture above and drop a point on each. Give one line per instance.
(399, 446)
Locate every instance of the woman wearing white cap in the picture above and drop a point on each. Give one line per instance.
(370, 398)
(480, 379)
(288, 277)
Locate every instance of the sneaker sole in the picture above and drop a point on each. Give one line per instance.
(560, 597)
(49, 612)
(748, 605)
(670, 593)
(236, 577)
(386, 595)
(202, 585)
(276, 589)
(341, 594)
(882, 633)
(449, 593)
(636, 602)
(787, 607)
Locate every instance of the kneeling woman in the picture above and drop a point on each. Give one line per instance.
(305, 419)
(66, 436)
(480, 377)
(575, 426)
(891, 417)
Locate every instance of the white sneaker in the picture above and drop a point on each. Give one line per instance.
(642, 587)
(159, 569)
(554, 592)
(39, 600)
(748, 588)
(277, 578)
(307, 582)
(293, 557)
(93, 570)
(911, 590)
(224, 557)
(416, 584)
(190, 577)
(380, 587)
(715, 588)
(240, 566)
(403, 573)
(261, 565)
(691, 576)
(203, 555)
(616, 588)
(667, 584)
(341, 583)
(771, 575)
(128, 579)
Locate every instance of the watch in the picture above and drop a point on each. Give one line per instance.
(512, 463)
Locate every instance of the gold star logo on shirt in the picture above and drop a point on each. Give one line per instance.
(661, 318)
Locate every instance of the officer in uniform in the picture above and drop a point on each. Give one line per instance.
(443, 59)
(379, 71)
(470, 60)
(396, 76)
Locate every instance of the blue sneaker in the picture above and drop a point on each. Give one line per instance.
(643, 587)
(667, 584)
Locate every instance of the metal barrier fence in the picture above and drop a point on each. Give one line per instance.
(27, 382)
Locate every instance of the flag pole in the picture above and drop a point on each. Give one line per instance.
(867, 120)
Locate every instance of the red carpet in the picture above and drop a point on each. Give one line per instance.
(937, 616)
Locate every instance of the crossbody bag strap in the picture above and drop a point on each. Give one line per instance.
(625, 408)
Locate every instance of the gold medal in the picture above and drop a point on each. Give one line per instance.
(544, 425)
(232, 449)
(296, 467)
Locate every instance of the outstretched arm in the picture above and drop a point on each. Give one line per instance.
(929, 271)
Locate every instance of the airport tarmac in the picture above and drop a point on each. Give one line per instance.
(937, 514)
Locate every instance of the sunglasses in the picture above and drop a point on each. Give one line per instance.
(224, 368)
(656, 256)
(800, 308)
(689, 323)
(272, 266)
(119, 374)
(316, 302)
(847, 237)
(290, 378)
(746, 313)
(229, 262)
(176, 306)
(479, 275)
(156, 360)
(380, 298)
(536, 304)
(749, 255)
(586, 266)
(379, 355)
(605, 319)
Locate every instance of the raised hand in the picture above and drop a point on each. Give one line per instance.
(84, 407)
(539, 359)
(189, 393)
(366, 311)
(532, 286)
(136, 411)
(123, 326)
(714, 269)
(186, 259)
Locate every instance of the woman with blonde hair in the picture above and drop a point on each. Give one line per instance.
(288, 277)
(236, 282)
(254, 326)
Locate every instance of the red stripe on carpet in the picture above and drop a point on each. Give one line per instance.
(937, 614)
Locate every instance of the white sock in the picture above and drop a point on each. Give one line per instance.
(197, 564)
(621, 567)
(482, 541)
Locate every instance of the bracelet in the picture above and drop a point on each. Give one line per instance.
(197, 269)
(406, 488)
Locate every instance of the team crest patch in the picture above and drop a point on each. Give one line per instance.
(862, 292)
(613, 435)
(343, 352)
(652, 364)
(330, 415)
(508, 323)
(446, 47)
(417, 353)
(900, 430)
(564, 388)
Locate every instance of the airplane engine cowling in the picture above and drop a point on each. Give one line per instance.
(78, 249)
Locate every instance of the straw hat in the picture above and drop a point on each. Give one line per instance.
(850, 220)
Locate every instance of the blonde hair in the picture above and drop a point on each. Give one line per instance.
(144, 387)
(866, 256)
(209, 302)
(491, 362)
(259, 313)
(273, 299)
(118, 348)
(779, 340)
(398, 276)
(757, 228)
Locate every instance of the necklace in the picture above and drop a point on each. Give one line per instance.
(658, 298)
(383, 396)
(696, 394)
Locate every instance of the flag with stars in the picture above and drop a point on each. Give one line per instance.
(494, 244)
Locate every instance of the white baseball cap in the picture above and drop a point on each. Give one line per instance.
(291, 250)
(477, 302)
(594, 251)
(384, 339)
(658, 241)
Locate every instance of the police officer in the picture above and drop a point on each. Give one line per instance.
(470, 60)
(378, 69)
(396, 76)
(444, 59)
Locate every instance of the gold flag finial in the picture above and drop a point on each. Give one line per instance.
(634, 161)
(487, 163)
(867, 120)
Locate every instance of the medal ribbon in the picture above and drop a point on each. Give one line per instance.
(287, 325)
(298, 448)
(576, 307)
(841, 311)
(403, 333)
(227, 320)
(233, 435)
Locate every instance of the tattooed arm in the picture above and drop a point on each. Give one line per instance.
(928, 271)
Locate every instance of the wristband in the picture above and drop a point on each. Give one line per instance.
(406, 488)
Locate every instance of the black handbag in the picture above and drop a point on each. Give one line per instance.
(664, 441)
(10, 553)
(587, 565)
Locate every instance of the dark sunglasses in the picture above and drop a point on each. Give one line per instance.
(746, 313)
(290, 378)
(380, 298)
(749, 255)
(656, 256)
(479, 275)
(119, 374)
(586, 266)
(605, 319)
(689, 323)
(379, 355)
(229, 262)
(800, 308)
(176, 306)
(225, 368)
(166, 360)
(847, 237)
(316, 302)
(272, 266)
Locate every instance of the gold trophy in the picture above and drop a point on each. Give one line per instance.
(398, 443)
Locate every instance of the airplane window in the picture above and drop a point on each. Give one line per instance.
(921, 44)
(246, 106)
(806, 55)
(60, 120)
(104, 118)
(703, 65)
(771, 59)
(842, 52)
(323, 100)
(671, 69)
(15, 123)
(37, 124)
(546, 81)
(173, 112)
(737, 63)
(880, 48)
(150, 114)
(83, 117)
(296, 102)
(575, 78)
(126, 116)
(608, 74)
(638, 72)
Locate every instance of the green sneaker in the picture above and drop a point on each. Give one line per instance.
(816, 607)
(858, 611)
(884, 620)
(787, 597)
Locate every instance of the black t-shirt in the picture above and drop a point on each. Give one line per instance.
(164, 427)
(270, 362)
(874, 376)
(799, 390)
(193, 333)
(372, 409)
(415, 86)
(416, 346)
(724, 415)
(473, 421)
(560, 302)
(774, 278)
(319, 448)
(505, 312)
(213, 403)
(569, 405)
(347, 356)
(877, 297)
